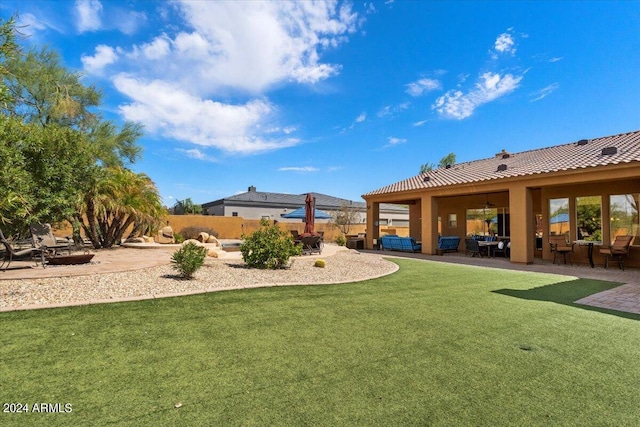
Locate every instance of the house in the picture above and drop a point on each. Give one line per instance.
(587, 190)
(254, 204)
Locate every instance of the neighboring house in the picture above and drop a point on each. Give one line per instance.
(586, 190)
(255, 204)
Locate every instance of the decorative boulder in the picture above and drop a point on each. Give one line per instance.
(212, 239)
(203, 237)
(135, 240)
(212, 253)
(194, 241)
(148, 239)
(165, 235)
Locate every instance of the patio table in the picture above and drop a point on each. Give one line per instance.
(488, 245)
(589, 244)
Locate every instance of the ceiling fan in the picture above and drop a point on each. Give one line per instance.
(488, 204)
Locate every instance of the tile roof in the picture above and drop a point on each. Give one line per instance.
(581, 154)
(323, 201)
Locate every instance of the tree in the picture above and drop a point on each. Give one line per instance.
(42, 172)
(448, 160)
(345, 217)
(43, 91)
(115, 200)
(8, 50)
(186, 207)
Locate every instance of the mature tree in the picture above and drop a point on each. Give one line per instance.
(43, 91)
(186, 207)
(42, 171)
(115, 200)
(345, 217)
(448, 160)
(8, 50)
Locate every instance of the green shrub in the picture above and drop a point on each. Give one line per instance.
(188, 259)
(341, 240)
(320, 263)
(193, 231)
(178, 237)
(268, 247)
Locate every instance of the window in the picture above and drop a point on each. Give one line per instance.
(558, 217)
(482, 222)
(589, 218)
(234, 213)
(453, 220)
(625, 221)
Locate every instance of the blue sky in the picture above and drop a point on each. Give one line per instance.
(343, 97)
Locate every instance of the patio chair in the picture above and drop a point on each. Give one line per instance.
(503, 248)
(619, 249)
(560, 246)
(311, 245)
(43, 239)
(10, 253)
(472, 247)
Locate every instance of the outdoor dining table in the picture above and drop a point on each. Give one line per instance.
(488, 245)
(589, 244)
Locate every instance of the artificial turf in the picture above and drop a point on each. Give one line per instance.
(433, 344)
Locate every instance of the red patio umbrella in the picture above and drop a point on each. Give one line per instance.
(309, 217)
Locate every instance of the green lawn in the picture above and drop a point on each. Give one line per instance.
(433, 344)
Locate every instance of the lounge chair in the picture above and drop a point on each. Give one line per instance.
(43, 238)
(11, 253)
(311, 245)
(618, 249)
(560, 246)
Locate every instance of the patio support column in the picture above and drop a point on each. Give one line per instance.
(429, 208)
(415, 219)
(373, 222)
(522, 225)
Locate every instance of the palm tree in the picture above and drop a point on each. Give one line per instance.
(115, 200)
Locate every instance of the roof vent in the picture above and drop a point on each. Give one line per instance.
(502, 168)
(426, 179)
(583, 142)
(608, 151)
(251, 189)
(447, 166)
(504, 154)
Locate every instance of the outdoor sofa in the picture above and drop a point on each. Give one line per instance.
(448, 243)
(397, 243)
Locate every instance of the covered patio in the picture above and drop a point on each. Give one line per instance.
(593, 183)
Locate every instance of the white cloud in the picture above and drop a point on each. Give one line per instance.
(458, 105)
(194, 153)
(88, 13)
(104, 55)
(393, 141)
(390, 110)
(544, 92)
(420, 123)
(421, 86)
(556, 59)
(299, 169)
(169, 111)
(253, 45)
(505, 44)
(29, 24)
(361, 118)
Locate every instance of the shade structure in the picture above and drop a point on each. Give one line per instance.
(300, 212)
(557, 219)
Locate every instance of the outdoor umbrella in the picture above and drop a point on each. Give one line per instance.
(309, 218)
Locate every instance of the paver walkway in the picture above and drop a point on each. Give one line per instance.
(622, 298)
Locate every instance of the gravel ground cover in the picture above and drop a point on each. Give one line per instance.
(162, 281)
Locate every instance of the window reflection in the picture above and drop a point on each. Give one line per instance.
(559, 216)
(589, 218)
(625, 220)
